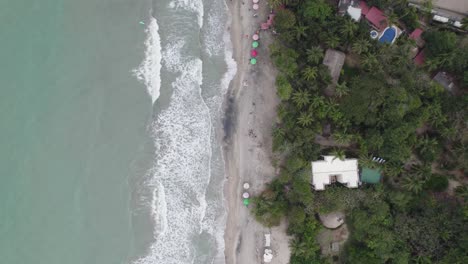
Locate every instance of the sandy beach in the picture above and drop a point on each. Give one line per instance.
(250, 114)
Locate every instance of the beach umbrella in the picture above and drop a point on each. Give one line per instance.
(245, 195)
(253, 53)
(255, 44)
(246, 185)
(255, 7)
(246, 201)
(253, 61)
(255, 1)
(255, 37)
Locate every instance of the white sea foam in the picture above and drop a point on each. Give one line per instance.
(150, 69)
(159, 209)
(195, 6)
(214, 31)
(183, 135)
(183, 151)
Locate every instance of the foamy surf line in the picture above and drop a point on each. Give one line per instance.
(149, 71)
(182, 167)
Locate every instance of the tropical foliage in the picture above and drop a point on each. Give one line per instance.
(382, 105)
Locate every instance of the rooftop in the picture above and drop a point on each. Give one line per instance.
(420, 58)
(334, 60)
(377, 18)
(350, 7)
(416, 36)
(445, 80)
(364, 7)
(325, 172)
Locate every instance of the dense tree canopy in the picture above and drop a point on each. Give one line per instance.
(385, 106)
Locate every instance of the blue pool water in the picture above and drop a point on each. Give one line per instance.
(388, 36)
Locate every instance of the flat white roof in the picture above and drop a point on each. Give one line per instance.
(346, 172)
(354, 13)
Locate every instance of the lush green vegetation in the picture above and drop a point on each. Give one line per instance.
(382, 106)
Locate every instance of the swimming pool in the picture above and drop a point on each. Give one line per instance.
(389, 35)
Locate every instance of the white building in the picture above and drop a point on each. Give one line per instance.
(332, 169)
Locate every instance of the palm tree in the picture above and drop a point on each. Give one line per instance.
(365, 160)
(361, 46)
(298, 248)
(432, 64)
(277, 3)
(465, 23)
(317, 102)
(338, 153)
(305, 119)
(369, 61)
(393, 170)
(341, 89)
(348, 29)
(421, 171)
(413, 184)
(392, 18)
(301, 98)
(300, 31)
(342, 138)
(314, 54)
(310, 73)
(332, 42)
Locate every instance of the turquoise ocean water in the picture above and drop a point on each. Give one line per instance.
(73, 118)
(110, 116)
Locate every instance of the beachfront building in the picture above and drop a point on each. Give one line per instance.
(334, 60)
(332, 169)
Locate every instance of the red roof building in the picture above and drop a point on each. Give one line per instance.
(420, 58)
(416, 36)
(377, 18)
(364, 8)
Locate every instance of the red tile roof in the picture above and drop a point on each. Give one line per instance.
(416, 34)
(364, 7)
(377, 18)
(420, 58)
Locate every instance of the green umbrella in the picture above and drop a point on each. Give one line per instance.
(255, 44)
(253, 61)
(246, 201)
